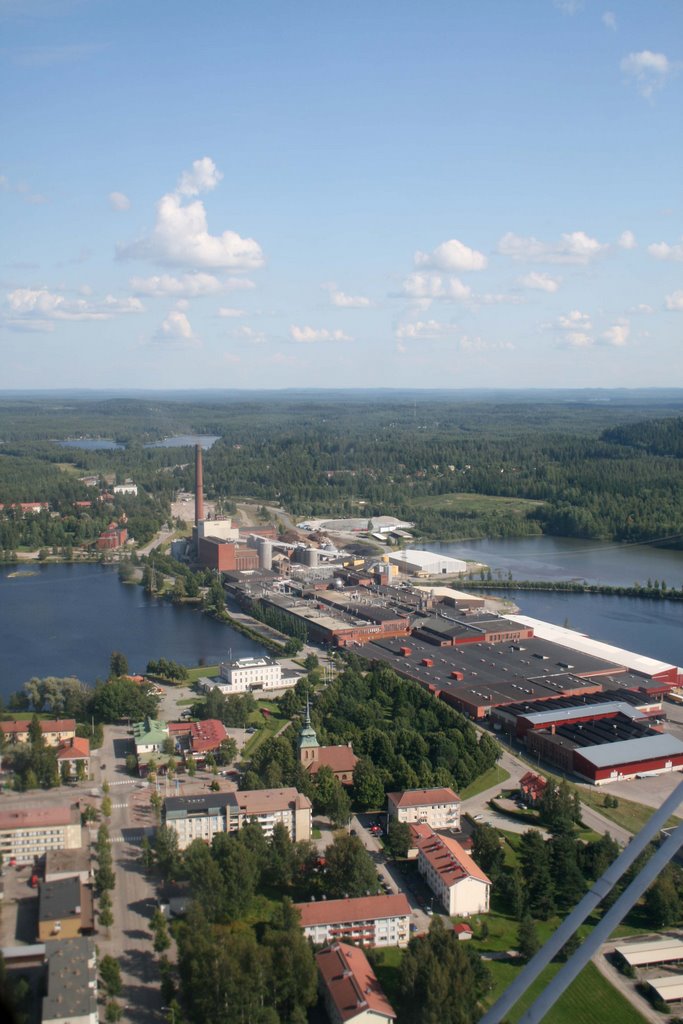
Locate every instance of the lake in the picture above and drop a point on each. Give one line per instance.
(654, 628)
(68, 619)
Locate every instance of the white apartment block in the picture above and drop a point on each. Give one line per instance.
(128, 488)
(366, 920)
(248, 674)
(202, 817)
(28, 832)
(438, 808)
(457, 882)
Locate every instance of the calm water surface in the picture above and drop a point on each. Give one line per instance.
(69, 618)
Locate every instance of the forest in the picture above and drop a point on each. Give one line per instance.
(604, 465)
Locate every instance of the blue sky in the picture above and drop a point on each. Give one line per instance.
(268, 193)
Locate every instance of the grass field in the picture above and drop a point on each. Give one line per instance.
(202, 670)
(265, 727)
(474, 503)
(588, 1000)
(493, 777)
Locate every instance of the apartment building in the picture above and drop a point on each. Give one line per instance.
(28, 832)
(438, 808)
(201, 817)
(55, 731)
(457, 882)
(71, 985)
(366, 920)
(349, 987)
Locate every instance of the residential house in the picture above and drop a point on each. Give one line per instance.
(365, 920)
(439, 808)
(349, 987)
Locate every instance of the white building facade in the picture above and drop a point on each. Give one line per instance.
(366, 920)
(248, 674)
(457, 882)
(202, 817)
(438, 808)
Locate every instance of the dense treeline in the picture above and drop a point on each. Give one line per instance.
(605, 470)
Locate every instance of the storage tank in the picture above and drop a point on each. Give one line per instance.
(311, 558)
(265, 554)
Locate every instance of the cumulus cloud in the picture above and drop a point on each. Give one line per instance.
(540, 282)
(310, 335)
(203, 177)
(578, 339)
(451, 256)
(434, 286)
(425, 330)
(609, 20)
(165, 284)
(627, 240)
(176, 331)
(573, 247)
(344, 301)
(118, 201)
(181, 237)
(249, 334)
(648, 70)
(44, 307)
(642, 307)
(617, 335)
(230, 311)
(674, 301)
(664, 251)
(574, 319)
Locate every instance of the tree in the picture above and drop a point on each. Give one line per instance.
(156, 802)
(350, 871)
(113, 1012)
(147, 854)
(662, 900)
(160, 931)
(65, 772)
(131, 764)
(441, 982)
(367, 784)
(339, 808)
(106, 806)
(528, 941)
(487, 851)
(118, 665)
(399, 839)
(167, 852)
(568, 880)
(110, 973)
(106, 916)
(281, 858)
(227, 752)
(535, 857)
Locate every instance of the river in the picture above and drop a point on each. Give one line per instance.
(67, 619)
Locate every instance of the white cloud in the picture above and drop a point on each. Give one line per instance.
(310, 335)
(540, 282)
(627, 240)
(203, 177)
(450, 256)
(617, 335)
(578, 339)
(642, 307)
(573, 247)
(176, 331)
(230, 311)
(649, 70)
(434, 286)
(569, 6)
(165, 284)
(119, 201)
(664, 251)
(42, 305)
(675, 300)
(573, 320)
(425, 329)
(180, 236)
(344, 301)
(609, 20)
(249, 334)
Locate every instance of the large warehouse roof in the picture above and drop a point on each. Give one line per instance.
(427, 560)
(669, 988)
(607, 755)
(581, 642)
(651, 951)
(556, 714)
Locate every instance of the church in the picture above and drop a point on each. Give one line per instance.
(312, 756)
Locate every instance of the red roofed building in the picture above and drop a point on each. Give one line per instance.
(349, 987)
(531, 788)
(55, 731)
(452, 875)
(463, 931)
(29, 832)
(74, 750)
(198, 738)
(341, 759)
(367, 920)
(113, 537)
(438, 808)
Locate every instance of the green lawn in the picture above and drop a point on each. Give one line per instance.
(492, 777)
(629, 814)
(588, 1000)
(202, 671)
(266, 727)
(387, 969)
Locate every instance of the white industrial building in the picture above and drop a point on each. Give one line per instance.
(425, 563)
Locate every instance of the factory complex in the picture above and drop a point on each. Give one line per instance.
(584, 706)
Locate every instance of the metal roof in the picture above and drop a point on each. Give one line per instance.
(607, 754)
(654, 951)
(583, 711)
(669, 988)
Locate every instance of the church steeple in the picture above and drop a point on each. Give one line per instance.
(308, 741)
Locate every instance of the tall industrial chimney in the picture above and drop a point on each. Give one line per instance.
(198, 486)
